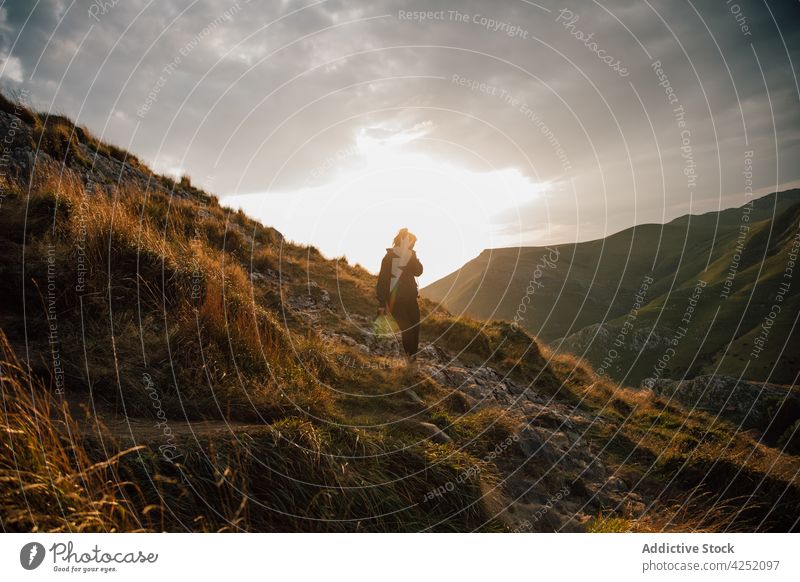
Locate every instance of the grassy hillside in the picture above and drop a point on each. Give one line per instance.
(580, 302)
(166, 364)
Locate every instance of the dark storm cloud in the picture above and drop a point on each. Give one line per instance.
(226, 90)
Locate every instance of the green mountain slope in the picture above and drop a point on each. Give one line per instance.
(580, 302)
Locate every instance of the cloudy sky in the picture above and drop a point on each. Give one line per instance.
(479, 124)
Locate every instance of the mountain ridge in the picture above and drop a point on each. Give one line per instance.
(595, 281)
(788, 197)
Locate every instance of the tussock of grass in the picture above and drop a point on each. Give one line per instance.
(295, 476)
(698, 512)
(287, 476)
(146, 263)
(49, 482)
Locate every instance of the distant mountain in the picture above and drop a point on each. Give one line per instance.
(582, 298)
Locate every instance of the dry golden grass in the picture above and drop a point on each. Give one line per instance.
(48, 482)
(697, 512)
(151, 259)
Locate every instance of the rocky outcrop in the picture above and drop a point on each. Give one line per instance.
(549, 435)
(558, 481)
(770, 410)
(601, 336)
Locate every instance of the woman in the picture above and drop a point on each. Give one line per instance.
(397, 289)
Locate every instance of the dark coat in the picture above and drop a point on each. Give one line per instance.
(406, 289)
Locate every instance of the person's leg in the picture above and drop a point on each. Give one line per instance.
(406, 314)
(411, 335)
(400, 315)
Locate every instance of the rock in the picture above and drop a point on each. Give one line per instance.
(601, 336)
(434, 353)
(743, 403)
(381, 345)
(616, 484)
(433, 432)
(476, 392)
(516, 389)
(596, 469)
(560, 440)
(533, 443)
(573, 523)
(754, 434)
(536, 517)
(456, 376)
(415, 397)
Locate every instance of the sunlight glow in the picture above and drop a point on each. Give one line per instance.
(385, 186)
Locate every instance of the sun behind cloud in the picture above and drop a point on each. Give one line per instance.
(384, 183)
